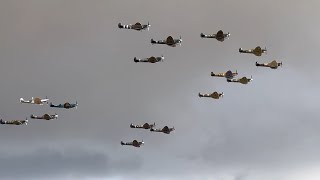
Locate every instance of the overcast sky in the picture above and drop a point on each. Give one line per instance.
(74, 51)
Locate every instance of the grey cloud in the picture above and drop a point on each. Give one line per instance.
(72, 50)
(54, 163)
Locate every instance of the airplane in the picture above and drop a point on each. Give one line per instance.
(36, 100)
(151, 59)
(169, 41)
(134, 143)
(144, 126)
(214, 95)
(273, 64)
(45, 116)
(65, 105)
(243, 80)
(165, 130)
(229, 74)
(220, 36)
(137, 26)
(15, 122)
(256, 51)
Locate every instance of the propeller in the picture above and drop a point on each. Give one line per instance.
(148, 26)
(76, 104)
(162, 57)
(222, 94)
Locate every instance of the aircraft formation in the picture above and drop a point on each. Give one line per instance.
(171, 42)
(39, 101)
(228, 75)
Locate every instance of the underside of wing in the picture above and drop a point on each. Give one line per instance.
(146, 126)
(170, 40)
(152, 59)
(67, 105)
(244, 80)
(135, 143)
(215, 95)
(257, 51)
(46, 116)
(229, 74)
(37, 100)
(220, 35)
(273, 64)
(165, 129)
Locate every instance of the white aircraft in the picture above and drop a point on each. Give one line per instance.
(45, 116)
(220, 36)
(243, 80)
(229, 74)
(134, 143)
(169, 41)
(214, 95)
(256, 51)
(137, 26)
(165, 130)
(144, 126)
(36, 100)
(273, 64)
(151, 59)
(15, 122)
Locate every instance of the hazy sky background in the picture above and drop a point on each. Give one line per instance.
(73, 51)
